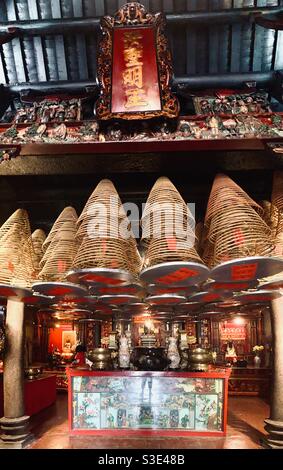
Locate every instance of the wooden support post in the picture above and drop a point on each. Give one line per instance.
(14, 432)
(274, 425)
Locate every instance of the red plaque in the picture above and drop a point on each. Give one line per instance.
(134, 66)
(135, 85)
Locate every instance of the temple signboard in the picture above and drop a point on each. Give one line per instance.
(233, 332)
(134, 66)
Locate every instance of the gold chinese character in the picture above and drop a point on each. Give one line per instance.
(135, 97)
(132, 57)
(132, 39)
(133, 76)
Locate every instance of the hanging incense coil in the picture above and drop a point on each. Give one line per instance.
(66, 232)
(38, 238)
(166, 213)
(224, 193)
(271, 216)
(104, 233)
(277, 190)
(163, 250)
(106, 253)
(208, 254)
(277, 207)
(105, 194)
(9, 254)
(239, 232)
(168, 227)
(18, 219)
(67, 215)
(26, 270)
(60, 254)
(17, 258)
(198, 236)
(234, 226)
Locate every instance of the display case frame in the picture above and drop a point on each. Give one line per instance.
(222, 374)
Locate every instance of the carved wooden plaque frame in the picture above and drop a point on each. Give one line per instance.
(134, 66)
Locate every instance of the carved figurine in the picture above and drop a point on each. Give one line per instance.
(173, 353)
(124, 353)
(213, 124)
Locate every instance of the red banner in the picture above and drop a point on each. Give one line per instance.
(229, 330)
(135, 86)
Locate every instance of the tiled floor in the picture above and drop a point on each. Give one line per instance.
(245, 429)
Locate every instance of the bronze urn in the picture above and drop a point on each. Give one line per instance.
(199, 359)
(100, 358)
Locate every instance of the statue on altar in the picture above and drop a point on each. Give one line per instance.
(230, 352)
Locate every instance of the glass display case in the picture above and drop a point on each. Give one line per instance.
(168, 403)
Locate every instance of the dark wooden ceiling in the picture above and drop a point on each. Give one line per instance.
(199, 47)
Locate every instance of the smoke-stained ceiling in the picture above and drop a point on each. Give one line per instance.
(198, 48)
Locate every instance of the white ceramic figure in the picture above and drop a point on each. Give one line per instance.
(173, 353)
(124, 353)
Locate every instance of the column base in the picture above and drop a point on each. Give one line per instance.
(14, 433)
(274, 440)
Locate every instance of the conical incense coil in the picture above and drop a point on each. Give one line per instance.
(164, 250)
(234, 220)
(105, 194)
(26, 270)
(38, 237)
(18, 219)
(59, 261)
(166, 224)
(241, 240)
(67, 215)
(166, 213)
(60, 254)
(9, 254)
(208, 254)
(66, 232)
(165, 192)
(272, 218)
(98, 227)
(277, 190)
(104, 253)
(224, 193)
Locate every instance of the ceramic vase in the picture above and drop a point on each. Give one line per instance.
(257, 361)
(173, 353)
(124, 353)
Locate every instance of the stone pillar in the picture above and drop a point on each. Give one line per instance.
(274, 425)
(14, 432)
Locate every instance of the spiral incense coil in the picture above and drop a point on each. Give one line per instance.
(67, 232)
(67, 215)
(105, 194)
(9, 254)
(59, 256)
(239, 233)
(26, 270)
(208, 254)
(165, 250)
(166, 214)
(111, 253)
(224, 193)
(18, 219)
(271, 216)
(17, 257)
(99, 227)
(38, 237)
(198, 236)
(277, 190)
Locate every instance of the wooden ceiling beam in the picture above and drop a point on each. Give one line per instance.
(11, 29)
